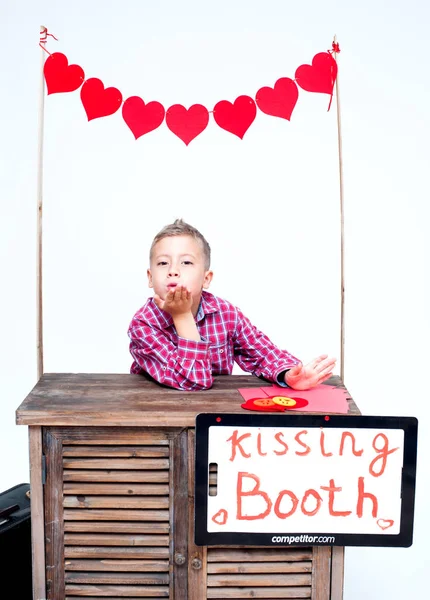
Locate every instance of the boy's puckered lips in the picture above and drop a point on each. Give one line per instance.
(172, 285)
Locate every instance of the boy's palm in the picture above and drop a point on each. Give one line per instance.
(304, 377)
(177, 302)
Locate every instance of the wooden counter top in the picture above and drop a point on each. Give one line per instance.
(87, 399)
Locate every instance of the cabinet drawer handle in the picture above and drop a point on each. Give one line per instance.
(196, 563)
(179, 558)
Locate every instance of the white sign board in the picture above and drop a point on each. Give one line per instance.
(305, 478)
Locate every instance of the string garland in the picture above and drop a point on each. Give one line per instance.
(187, 123)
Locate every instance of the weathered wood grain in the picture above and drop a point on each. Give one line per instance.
(116, 565)
(117, 489)
(117, 527)
(197, 564)
(37, 514)
(108, 539)
(179, 515)
(321, 566)
(117, 591)
(131, 400)
(54, 532)
(157, 502)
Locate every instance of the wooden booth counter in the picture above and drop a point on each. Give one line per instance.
(112, 498)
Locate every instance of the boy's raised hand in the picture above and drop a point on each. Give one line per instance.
(178, 301)
(304, 377)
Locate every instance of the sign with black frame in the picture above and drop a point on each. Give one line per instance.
(304, 480)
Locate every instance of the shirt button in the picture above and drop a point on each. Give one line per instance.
(164, 368)
(221, 351)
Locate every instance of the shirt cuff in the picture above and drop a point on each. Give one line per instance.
(280, 378)
(192, 350)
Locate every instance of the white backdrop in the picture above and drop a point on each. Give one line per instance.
(269, 205)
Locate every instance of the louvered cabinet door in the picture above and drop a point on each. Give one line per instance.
(115, 505)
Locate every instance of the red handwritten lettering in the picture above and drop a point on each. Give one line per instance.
(298, 440)
(235, 444)
(345, 435)
(361, 496)
(322, 439)
(254, 492)
(259, 450)
(331, 491)
(277, 509)
(383, 454)
(280, 452)
(314, 493)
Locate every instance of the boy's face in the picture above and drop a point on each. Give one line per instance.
(179, 260)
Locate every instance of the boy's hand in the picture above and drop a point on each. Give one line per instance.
(178, 301)
(304, 377)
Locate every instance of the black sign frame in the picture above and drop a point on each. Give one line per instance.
(205, 420)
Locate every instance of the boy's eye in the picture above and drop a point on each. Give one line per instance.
(161, 263)
(187, 262)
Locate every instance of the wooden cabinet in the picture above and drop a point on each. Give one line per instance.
(112, 488)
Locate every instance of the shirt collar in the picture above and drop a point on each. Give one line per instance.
(207, 306)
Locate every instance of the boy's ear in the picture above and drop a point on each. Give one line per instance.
(207, 280)
(148, 272)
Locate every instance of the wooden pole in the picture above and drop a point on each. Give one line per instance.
(342, 228)
(43, 30)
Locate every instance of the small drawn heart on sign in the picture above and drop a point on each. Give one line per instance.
(385, 523)
(220, 518)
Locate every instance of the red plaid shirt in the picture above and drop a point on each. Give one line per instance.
(226, 336)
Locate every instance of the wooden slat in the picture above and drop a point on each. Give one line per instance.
(277, 593)
(260, 580)
(116, 527)
(123, 436)
(337, 568)
(92, 539)
(120, 489)
(140, 464)
(122, 597)
(263, 567)
(118, 578)
(71, 514)
(117, 476)
(117, 591)
(197, 577)
(117, 451)
(115, 552)
(54, 532)
(179, 514)
(258, 555)
(157, 502)
(321, 565)
(37, 513)
(116, 565)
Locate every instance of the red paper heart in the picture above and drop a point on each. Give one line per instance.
(98, 101)
(385, 523)
(280, 100)
(60, 76)
(220, 518)
(187, 124)
(320, 76)
(235, 118)
(140, 117)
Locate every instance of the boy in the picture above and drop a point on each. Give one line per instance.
(183, 335)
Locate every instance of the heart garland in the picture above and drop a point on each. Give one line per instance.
(235, 117)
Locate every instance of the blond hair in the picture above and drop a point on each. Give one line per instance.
(179, 227)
